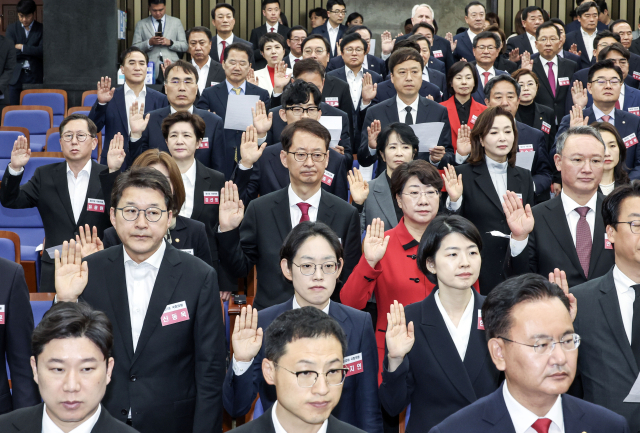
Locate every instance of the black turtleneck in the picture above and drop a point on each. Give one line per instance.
(527, 113)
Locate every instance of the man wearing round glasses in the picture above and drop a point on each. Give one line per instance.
(528, 321)
(334, 29)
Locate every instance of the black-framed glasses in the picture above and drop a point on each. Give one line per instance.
(339, 12)
(328, 268)
(633, 225)
(308, 378)
(315, 156)
(602, 81)
(298, 111)
(544, 346)
(131, 213)
(81, 136)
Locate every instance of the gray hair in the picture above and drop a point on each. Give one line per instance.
(423, 5)
(576, 130)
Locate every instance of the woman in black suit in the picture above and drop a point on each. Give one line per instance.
(531, 113)
(490, 171)
(439, 362)
(615, 155)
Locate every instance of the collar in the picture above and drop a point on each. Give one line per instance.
(28, 29)
(163, 19)
(496, 167)
(296, 305)
(545, 61)
(173, 110)
(468, 310)
(243, 86)
(425, 72)
(621, 91)
(531, 37)
(471, 35)
(622, 282)
(561, 54)
(491, 70)
(404, 237)
(587, 35)
(86, 168)
(314, 200)
(191, 173)
(229, 40)
(278, 427)
(193, 62)
(413, 105)
(523, 418)
(598, 113)
(350, 73)
(128, 90)
(155, 260)
(293, 58)
(275, 26)
(330, 28)
(570, 205)
(48, 426)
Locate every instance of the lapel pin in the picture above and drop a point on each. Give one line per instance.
(177, 240)
(541, 118)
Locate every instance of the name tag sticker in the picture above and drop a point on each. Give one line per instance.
(520, 197)
(636, 75)
(473, 119)
(525, 148)
(563, 81)
(213, 83)
(175, 313)
(437, 53)
(332, 100)
(634, 110)
(2, 315)
(630, 140)
(188, 251)
(480, 321)
(545, 127)
(354, 364)
(327, 178)
(211, 197)
(95, 205)
(607, 244)
(204, 144)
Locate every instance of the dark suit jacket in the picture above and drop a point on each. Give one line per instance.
(631, 94)
(264, 424)
(574, 26)
(256, 34)
(214, 48)
(387, 113)
(464, 47)
(386, 90)
(634, 66)
(439, 80)
(49, 192)
(566, 68)
(322, 30)
(432, 375)
(521, 42)
(31, 51)
(490, 415)
(216, 75)
(635, 47)
(258, 240)
(551, 246)
(215, 100)
(504, 64)
(15, 340)
(438, 65)
(607, 368)
(541, 168)
(29, 420)
(576, 38)
(354, 408)
(479, 95)
(440, 49)
(481, 205)
(113, 116)
(544, 114)
(374, 64)
(188, 356)
(336, 91)
(7, 66)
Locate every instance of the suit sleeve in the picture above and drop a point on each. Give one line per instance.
(202, 250)
(13, 196)
(33, 50)
(210, 357)
(542, 176)
(180, 43)
(19, 327)
(239, 247)
(445, 141)
(368, 409)
(239, 392)
(7, 72)
(352, 245)
(139, 40)
(510, 47)
(396, 387)
(346, 106)
(525, 262)
(345, 141)
(136, 148)
(203, 102)
(247, 182)
(360, 285)
(365, 158)
(341, 188)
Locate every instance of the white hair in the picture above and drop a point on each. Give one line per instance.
(423, 5)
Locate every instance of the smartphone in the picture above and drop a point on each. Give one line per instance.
(158, 34)
(240, 299)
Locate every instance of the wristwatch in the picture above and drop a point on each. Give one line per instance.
(170, 42)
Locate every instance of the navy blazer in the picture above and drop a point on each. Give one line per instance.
(113, 116)
(566, 69)
(574, 26)
(490, 415)
(521, 42)
(479, 95)
(432, 375)
(15, 340)
(213, 157)
(374, 64)
(268, 175)
(437, 65)
(32, 49)
(324, 32)
(358, 404)
(576, 38)
(464, 47)
(626, 124)
(634, 69)
(386, 90)
(541, 168)
(215, 100)
(439, 80)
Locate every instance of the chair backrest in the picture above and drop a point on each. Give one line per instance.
(36, 118)
(79, 110)
(53, 140)
(40, 305)
(89, 98)
(54, 98)
(34, 163)
(10, 246)
(8, 136)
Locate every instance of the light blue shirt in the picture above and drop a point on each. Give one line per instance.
(243, 87)
(598, 114)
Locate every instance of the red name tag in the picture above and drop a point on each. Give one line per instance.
(354, 364)
(564, 81)
(473, 119)
(437, 53)
(525, 148)
(630, 140)
(2, 314)
(607, 244)
(175, 313)
(636, 75)
(546, 127)
(95, 205)
(480, 321)
(333, 101)
(204, 144)
(211, 197)
(635, 110)
(327, 178)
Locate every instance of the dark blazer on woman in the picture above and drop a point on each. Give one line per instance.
(432, 377)
(481, 205)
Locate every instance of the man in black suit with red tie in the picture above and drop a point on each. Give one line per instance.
(271, 13)
(223, 19)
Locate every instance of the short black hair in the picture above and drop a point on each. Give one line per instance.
(239, 46)
(142, 177)
(91, 127)
(557, 21)
(332, 3)
(455, 69)
(354, 15)
(497, 307)
(304, 231)
(425, 26)
(157, 2)
(187, 67)
(306, 66)
(405, 54)
(602, 5)
(322, 13)
(294, 28)
(354, 29)
(196, 122)
(405, 43)
(526, 11)
(437, 230)
(200, 29)
(604, 34)
(417, 38)
(26, 7)
(312, 36)
(405, 132)
(132, 49)
(73, 320)
(309, 126)
(487, 35)
(474, 3)
(612, 203)
(351, 37)
(602, 55)
(266, 2)
(585, 6)
(220, 6)
(270, 37)
(547, 25)
(300, 92)
(498, 78)
(292, 325)
(603, 64)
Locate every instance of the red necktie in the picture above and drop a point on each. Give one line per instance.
(605, 118)
(304, 207)
(486, 77)
(583, 239)
(224, 45)
(618, 105)
(542, 425)
(272, 30)
(552, 78)
(296, 60)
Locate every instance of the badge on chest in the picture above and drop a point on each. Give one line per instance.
(95, 205)
(175, 313)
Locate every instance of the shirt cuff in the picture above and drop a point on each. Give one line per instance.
(453, 205)
(242, 167)
(385, 56)
(12, 172)
(240, 368)
(131, 139)
(517, 246)
(435, 164)
(102, 103)
(461, 159)
(262, 140)
(372, 151)
(362, 106)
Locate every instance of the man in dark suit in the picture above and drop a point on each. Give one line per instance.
(531, 20)
(271, 13)
(112, 107)
(422, 20)
(584, 37)
(215, 99)
(170, 326)
(309, 337)
(68, 194)
(607, 317)
(74, 339)
(370, 61)
(7, 66)
(561, 51)
(182, 88)
(295, 36)
(17, 318)
(333, 30)
(486, 50)
(269, 219)
(474, 14)
(569, 232)
(623, 29)
(26, 34)
(223, 19)
(531, 338)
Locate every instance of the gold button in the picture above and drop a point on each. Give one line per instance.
(177, 240)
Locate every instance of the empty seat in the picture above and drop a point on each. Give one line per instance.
(27, 224)
(54, 98)
(53, 140)
(10, 246)
(89, 98)
(37, 119)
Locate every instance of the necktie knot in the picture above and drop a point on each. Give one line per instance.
(605, 118)
(408, 120)
(582, 211)
(486, 77)
(237, 90)
(272, 30)
(304, 208)
(541, 425)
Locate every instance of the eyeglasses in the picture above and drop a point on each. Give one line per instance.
(297, 111)
(315, 156)
(415, 195)
(350, 50)
(131, 213)
(328, 268)
(544, 346)
(176, 82)
(612, 82)
(308, 378)
(297, 40)
(81, 136)
(633, 225)
(318, 51)
(486, 47)
(552, 39)
(339, 12)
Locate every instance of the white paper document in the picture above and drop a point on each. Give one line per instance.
(525, 160)
(51, 251)
(428, 134)
(367, 172)
(334, 125)
(239, 111)
(634, 394)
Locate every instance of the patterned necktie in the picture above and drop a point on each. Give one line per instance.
(552, 78)
(486, 77)
(408, 120)
(605, 118)
(304, 207)
(237, 90)
(272, 30)
(541, 425)
(635, 325)
(160, 26)
(583, 239)
(224, 45)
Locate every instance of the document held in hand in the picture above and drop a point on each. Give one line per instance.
(334, 125)
(239, 111)
(428, 134)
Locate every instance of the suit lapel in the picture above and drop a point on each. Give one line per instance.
(537, 119)
(281, 213)
(121, 107)
(485, 183)
(572, 416)
(31, 419)
(325, 211)
(392, 110)
(477, 353)
(423, 110)
(223, 97)
(382, 194)
(496, 413)
(120, 300)
(202, 184)
(557, 223)
(467, 42)
(514, 182)
(598, 238)
(279, 171)
(62, 187)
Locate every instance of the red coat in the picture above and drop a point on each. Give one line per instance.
(454, 121)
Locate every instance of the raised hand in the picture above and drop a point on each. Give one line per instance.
(231, 209)
(386, 42)
(576, 118)
(452, 183)
(246, 338)
(358, 186)
(375, 242)
(369, 89)
(71, 273)
(280, 77)
(20, 154)
(454, 44)
(137, 120)
(116, 154)
(399, 336)
(373, 132)
(464, 140)
(261, 119)
(574, 50)
(519, 218)
(250, 152)
(164, 65)
(105, 91)
(527, 63)
(514, 55)
(89, 243)
(559, 278)
(579, 95)
(251, 77)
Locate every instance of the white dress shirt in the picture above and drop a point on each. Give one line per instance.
(189, 180)
(355, 85)
(498, 173)
(626, 298)
(173, 110)
(554, 68)
(279, 429)
(155, 28)
(48, 426)
(472, 37)
(333, 36)
(459, 334)
(292, 59)
(130, 97)
(621, 97)
(27, 30)
(588, 41)
(491, 71)
(203, 74)
(295, 211)
(532, 41)
(78, 188)
(219, 40)
(523, 418)
(140, 281)
(269, 26)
